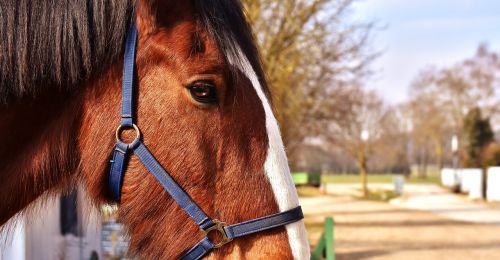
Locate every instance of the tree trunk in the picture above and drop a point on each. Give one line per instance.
(364, 174)
(439, 155)
(424, 160)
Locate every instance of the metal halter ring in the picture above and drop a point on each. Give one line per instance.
(219, 227)
(121, 127)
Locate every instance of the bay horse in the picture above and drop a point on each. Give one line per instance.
(201, 100)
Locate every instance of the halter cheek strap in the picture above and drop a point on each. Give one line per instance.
(118, 165)
(246, 228)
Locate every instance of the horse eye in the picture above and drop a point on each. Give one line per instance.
(203, 92)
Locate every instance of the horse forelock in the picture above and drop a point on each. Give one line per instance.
(225, 21)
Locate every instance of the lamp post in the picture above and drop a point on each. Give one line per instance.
(409, 144)
(454, 149)
(365, 135)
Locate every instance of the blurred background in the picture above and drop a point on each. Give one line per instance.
(390, 113)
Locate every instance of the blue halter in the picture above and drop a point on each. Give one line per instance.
(206, 224)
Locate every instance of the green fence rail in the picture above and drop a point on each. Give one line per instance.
(305, 178)
(326, 247)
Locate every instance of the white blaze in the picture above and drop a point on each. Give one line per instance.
(276, 165)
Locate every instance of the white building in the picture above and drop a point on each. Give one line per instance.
(41, 236)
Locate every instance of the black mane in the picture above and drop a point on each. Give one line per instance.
(57, 43)
(61, 43)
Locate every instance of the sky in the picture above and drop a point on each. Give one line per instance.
(414, 34)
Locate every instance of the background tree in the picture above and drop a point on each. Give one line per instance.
(311, 52)
(440, 99)
(361, 127)
(430, 122)
(491, 155)
(391, 151)
(477, 135)
(458, 89)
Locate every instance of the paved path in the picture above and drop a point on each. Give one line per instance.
(439, 201)
(432, 198)
(375, 230)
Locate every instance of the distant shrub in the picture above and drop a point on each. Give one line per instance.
(491, 155)
(478, 134)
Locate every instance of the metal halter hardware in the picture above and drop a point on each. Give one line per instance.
(119, 160)
(219, 227)
(122, 127)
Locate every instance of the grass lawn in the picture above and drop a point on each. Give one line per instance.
(374, 195)
(308, 191)
(379, 178)
(379, 195)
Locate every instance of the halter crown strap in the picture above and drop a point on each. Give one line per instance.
(128, 76)
(122, 151)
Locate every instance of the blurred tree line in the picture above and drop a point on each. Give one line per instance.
(459, 100)
(316, 60)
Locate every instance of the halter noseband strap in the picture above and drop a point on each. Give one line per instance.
(121, 153)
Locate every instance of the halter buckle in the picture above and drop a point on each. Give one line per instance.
(219, 227)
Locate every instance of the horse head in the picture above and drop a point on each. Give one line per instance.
(204, 111)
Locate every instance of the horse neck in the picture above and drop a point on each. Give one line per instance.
(37, 148)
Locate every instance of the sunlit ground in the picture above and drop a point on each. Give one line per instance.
(375, 229)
